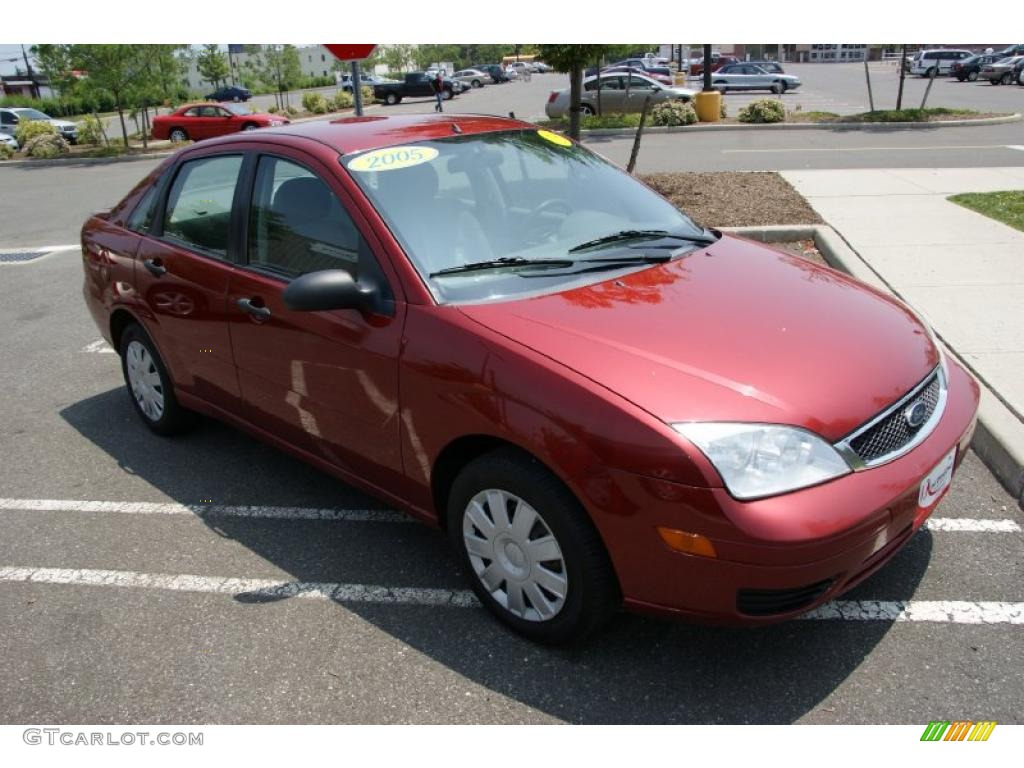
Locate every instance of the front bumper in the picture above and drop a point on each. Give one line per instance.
(807, 546)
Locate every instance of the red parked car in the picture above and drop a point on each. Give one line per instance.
(717, 62)
(495, 329)
(206, 120)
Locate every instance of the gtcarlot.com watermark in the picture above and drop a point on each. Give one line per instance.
(70, 737)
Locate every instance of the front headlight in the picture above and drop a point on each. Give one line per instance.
(757, 460)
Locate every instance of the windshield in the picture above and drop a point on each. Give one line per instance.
(238, 109)
(513, 198)
(31, 114)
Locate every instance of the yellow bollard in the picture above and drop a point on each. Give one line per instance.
(708, 105)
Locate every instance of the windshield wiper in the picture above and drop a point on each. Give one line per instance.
(506, 262)
(637, 234)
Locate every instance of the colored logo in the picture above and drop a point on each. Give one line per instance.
(958, 730)
(916, 414)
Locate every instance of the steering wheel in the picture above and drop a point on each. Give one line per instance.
(538, 225)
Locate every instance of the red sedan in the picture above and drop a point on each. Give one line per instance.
(206, 120)
(491, 327)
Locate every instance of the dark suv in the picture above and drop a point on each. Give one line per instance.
(230, 93)
(494, 70)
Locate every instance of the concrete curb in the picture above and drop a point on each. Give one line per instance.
(1015, 117)
(84, 160)
(999, 437)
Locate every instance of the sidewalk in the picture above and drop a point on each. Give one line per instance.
(961, 270)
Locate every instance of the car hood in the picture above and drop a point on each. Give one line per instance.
(734, 332)
(61, 123)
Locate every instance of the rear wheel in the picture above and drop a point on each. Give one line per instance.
(994, 80)
(530, 552)
(972, 76)
(178, 134)
(931, 72)
(586, 109)
(149, 384)
(477, 84)
(1006, 79)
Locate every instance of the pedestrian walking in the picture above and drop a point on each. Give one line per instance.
(438, 83)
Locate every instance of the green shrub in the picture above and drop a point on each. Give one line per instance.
(273, 109)
(314, 102)
(29, 129)
(673, 113)
(90, 131)
(291, 111)
(46, 145)
(341, 100)
(367, 92)
(6, 151)
(763, 111)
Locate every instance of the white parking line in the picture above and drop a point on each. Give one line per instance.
(948, 611)
(206, 510)
(257, 590)
(99, 346)
(1018, 147)
(41, 248)
(955, 524)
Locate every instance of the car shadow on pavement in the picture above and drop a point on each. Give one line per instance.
(637, 670)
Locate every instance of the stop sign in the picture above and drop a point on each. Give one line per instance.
(350, 52)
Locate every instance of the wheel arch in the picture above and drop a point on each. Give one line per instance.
(120, 319)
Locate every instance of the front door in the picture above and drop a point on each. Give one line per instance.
(327, 382)
(181, 275)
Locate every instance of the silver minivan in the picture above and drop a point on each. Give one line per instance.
(938, 61)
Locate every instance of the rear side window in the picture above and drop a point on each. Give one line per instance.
(198, 213)
(142, 217)
(297, 225)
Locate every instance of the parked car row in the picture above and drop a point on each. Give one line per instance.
(10, 117)
(998, 67)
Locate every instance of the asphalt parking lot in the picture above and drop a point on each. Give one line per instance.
(210, 578)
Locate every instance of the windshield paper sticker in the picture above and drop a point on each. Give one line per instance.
(392, 158)
(554, 138)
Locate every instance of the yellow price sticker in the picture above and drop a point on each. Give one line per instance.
(392, 158)
(555, 138)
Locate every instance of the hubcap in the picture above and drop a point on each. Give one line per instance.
(515, 555)
(144, 379)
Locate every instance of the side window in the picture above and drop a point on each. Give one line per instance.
(637, 83)
(297, 225)
(6, 118)
(142, 217)
(198, 211)
(194, 112)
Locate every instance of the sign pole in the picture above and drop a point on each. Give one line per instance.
(357, 89)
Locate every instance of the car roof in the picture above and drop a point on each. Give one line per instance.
(352, 134)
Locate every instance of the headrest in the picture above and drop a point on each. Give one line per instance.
(302, 198)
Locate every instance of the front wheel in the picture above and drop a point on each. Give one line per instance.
(931, 72)
(250, 127)
(149, 384)
(477, 84)
(1006, 79)
(776, 88)
(391, 99)
(529, 550)
(972, 76)
(586, 110)
(178, 134)
(448, 94)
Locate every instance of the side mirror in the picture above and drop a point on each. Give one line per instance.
(326, 290)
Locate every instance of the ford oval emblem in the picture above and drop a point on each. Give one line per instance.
(915, 414)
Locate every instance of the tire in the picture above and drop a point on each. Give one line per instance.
(448, 94)
(525, 594)
(477, 84)
(721, 88)
(149, 385)
(995, 81)
(930, 72)
(1006, 79)
(586, 109)
(777, 88)
(250, 127)
(391, 99)
(972, 77)
(235, 99)
(1020, 77)
(178, 134)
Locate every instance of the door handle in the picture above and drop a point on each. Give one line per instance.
(155, 267)
(259, 313)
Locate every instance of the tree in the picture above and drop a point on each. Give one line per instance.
(115, 69)
(213, 65)
(425, 55)
(54, 61)
(572, 59)
(397, 57)
(279, 66)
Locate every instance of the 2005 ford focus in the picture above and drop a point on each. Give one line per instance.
(496, 330)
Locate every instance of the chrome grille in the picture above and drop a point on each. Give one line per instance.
(891, 434)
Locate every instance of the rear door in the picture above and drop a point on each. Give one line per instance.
(183, 264)
(327, 382)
